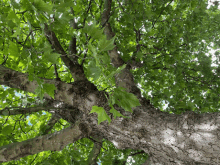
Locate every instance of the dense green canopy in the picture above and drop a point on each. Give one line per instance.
(170, 47)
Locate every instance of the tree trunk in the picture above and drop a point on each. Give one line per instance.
(188, 138)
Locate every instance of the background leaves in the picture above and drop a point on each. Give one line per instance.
(171, 40)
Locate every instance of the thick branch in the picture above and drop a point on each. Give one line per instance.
(54, 142)
(125, 79)
(15, 79)
(170, 138)
(81, 94)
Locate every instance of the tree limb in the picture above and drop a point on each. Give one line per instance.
(54, 142)
(72, 45)
(125, 79)
(7, 111)
(75, 69)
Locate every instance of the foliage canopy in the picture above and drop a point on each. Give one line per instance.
(166, 43)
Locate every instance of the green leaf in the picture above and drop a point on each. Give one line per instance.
(5, 113)
(139, 56)
(49, 54)
(90, 28)
(15, 4)
(87, 28)
(93, 70)
(116, 113)
(13, 50)
(94, 31)
(39, 80)
(105, 45)
(102, 115)
(94, 52)
(119, 69)
(17, 32)
(11, 24)
(97, 33)
(7, 130)
(12, 16)
(3, 94)
(124, 99)
(42, 6)
(52, 57)
(105, 58)
(39, 92)
(61, 7)
(49, 89)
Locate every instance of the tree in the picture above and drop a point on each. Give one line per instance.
(136, 73)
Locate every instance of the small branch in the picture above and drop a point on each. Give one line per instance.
(27, 37)
(4, 62)
(84, 57)
(84, 21)
(56, 73)
(75, 69)
(21, 12)
(7, 111)
(72, 45)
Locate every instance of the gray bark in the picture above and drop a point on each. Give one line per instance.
(188, 138)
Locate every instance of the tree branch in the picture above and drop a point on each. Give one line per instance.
(54, 142)
(75, 69)
(72, 46)
(77, 94)
(125, 79)
(56, 73)
(7, 111)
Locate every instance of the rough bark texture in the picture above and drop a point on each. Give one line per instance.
(168, 138)
(54, 142)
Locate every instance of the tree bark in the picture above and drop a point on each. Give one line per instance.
(188, 138)
(54, 142)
